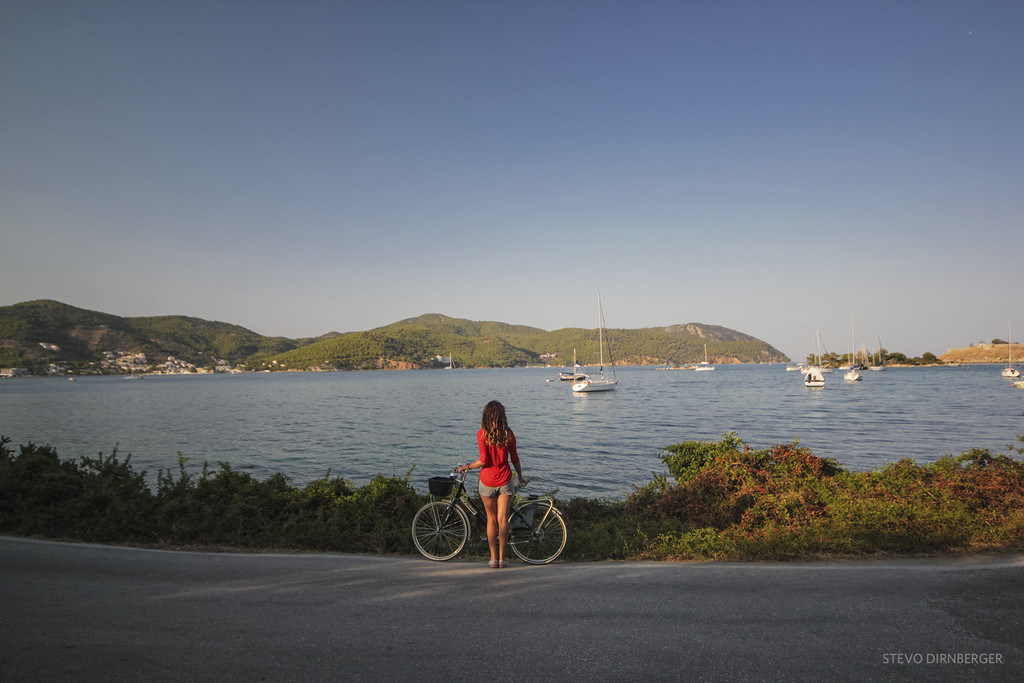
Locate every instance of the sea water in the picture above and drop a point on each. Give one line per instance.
(358, 425)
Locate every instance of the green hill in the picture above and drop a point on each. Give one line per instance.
(36, 334)
(414, 343)
(418, 342)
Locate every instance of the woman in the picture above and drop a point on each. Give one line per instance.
(497, 447)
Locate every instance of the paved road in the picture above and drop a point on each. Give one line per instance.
(85, 612)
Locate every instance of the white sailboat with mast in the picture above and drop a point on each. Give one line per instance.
(705, 366)
(813, 376)
(854, 374)
(1009, 370)
(588, 384)
(879, 363)
(822, 353)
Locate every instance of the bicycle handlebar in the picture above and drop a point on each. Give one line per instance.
(455, 474)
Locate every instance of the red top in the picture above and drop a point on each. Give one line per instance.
(496, 470)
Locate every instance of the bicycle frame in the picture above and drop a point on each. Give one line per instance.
(460, 497)
(519, 527)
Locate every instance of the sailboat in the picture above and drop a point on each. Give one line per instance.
(813, 376)
(588, 385)
(879, 363)
(825, 369)
(853, 375)
(578, 374)
(705, 365)
(1009, 370)
(815, 363)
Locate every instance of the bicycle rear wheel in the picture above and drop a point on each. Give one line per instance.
(544, 540)
(440, 530)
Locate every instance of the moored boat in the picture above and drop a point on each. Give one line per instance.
(813, 378)
(705, 365)
(1010, 371)
(578, 373)
(853, 374)
(589, 385)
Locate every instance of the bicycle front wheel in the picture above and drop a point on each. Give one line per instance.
(440, 530)
(544, 539)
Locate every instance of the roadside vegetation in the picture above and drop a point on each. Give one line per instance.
(719, 501)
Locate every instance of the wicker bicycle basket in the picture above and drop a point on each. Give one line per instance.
(440, 486)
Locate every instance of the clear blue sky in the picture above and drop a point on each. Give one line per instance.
(298, 167)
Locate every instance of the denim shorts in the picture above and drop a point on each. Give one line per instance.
(507, 489)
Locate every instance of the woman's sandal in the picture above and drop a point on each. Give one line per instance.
(493, 564)
(501, 564)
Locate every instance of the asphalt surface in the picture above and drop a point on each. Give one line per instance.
(74, 612)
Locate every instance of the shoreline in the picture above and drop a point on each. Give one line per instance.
(659, 366)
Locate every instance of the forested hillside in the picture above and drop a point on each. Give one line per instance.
(36, 334)
(42, 335)
(417, 343)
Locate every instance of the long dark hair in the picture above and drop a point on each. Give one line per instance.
(495, 424)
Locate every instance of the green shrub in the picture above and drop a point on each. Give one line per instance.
(784, 502)
(99, 499)
(688, 459)
(700, 543)
(598, 529)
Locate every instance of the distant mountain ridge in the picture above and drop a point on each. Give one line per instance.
(29, 330)
(710, 332)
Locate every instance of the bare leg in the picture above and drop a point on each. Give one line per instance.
(502, 514)
(491, 508)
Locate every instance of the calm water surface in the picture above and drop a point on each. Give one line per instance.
(360, 424)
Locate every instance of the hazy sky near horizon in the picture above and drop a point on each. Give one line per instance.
(301, 167)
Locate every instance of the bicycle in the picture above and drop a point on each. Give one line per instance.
(440, 529)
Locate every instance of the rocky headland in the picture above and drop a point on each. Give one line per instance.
(984, 353)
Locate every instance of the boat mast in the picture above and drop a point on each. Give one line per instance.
(853, 339)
